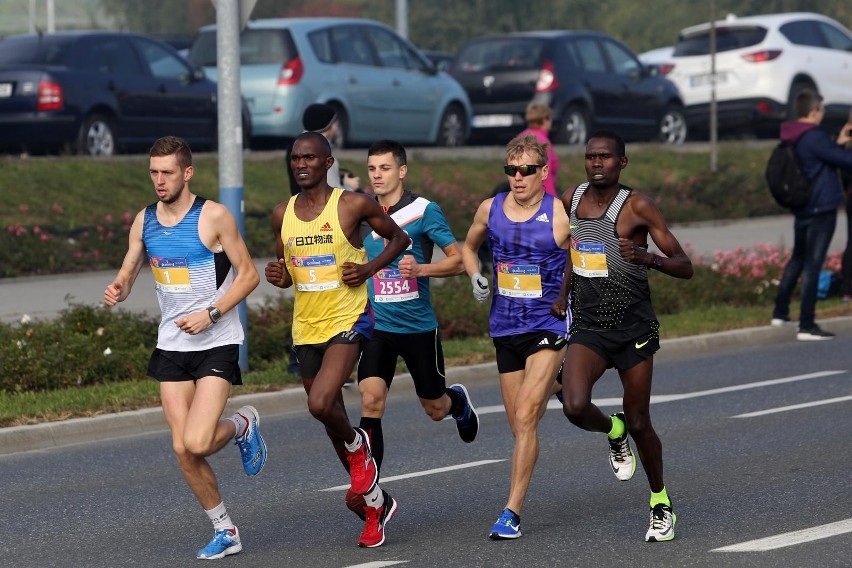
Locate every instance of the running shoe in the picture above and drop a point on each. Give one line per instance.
(468, 423)
(816, 333)
(376, 521)
(508, 526)
(621, 457)
(225, 542)
(251, 444)
(362, 467)
(662, 524)
(355, 502)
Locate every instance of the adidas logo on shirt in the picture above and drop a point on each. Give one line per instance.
(543, 218)
(326, 227)
(544, 341)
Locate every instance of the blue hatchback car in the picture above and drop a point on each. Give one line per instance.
(380, 84)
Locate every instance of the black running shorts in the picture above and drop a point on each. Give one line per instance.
(421, 352)
(513, 350)
(176, 366)
(621, 349)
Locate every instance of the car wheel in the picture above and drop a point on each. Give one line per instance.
(341, 137)
(97, 137)
(575, 127)
(452, 129)
(797, 88)
(673, 126)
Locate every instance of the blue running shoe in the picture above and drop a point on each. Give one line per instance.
(224, 543)
(251, 444)
(508, 526)
(468, 423)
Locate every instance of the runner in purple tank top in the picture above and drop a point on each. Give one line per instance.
(528, 233)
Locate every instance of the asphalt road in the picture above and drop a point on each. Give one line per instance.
(753, 440)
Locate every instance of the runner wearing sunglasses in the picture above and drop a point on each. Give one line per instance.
(528, 233)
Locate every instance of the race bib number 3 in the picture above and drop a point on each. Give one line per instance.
(315, 273)
(389, 286)
(589, 259)
(171, 274)
(518, 280)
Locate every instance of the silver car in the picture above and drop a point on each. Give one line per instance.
(380, 84)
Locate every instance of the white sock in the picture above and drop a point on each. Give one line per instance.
(220, 518)
(356, 443)
(241, 422)
(375, 498)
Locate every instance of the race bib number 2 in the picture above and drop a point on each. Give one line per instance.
(518, 280)
(315, 273)
(171, 274)
(390, 286)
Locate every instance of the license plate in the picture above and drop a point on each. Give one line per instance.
(5, 90)
(486, 120)
(707, 79)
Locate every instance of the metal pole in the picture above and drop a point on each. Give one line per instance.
(230, 128)
(402, 18)
(714, 125)
(51, 17)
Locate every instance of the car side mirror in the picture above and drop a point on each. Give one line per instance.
(197, 75)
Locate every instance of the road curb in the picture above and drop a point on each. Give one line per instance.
(50, 435)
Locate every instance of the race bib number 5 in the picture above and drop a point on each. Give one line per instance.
(171, 274)
(518, 280)
(389, 286)
(589, 259)
(315, 273)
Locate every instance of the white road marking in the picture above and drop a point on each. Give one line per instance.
(790, 538)
(794, 407)
(385, 480)
(377, 564)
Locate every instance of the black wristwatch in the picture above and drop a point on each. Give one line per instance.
(658, 262)
(214, 313)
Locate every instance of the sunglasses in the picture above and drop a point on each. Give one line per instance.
(526, 170)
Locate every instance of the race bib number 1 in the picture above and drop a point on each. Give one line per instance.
(518, 280)
(315, 273)
(389, 286)
(171, 274)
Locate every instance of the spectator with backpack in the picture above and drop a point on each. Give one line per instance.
(819, 157)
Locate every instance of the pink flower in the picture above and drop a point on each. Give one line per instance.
(56, 208)
(23, 208)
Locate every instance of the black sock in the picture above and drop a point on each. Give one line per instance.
(456, 402)
(373, 427)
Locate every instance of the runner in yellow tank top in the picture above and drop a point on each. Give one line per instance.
(319, 250)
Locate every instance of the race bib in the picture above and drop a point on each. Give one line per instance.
(389, 286)
(518, 280)
(171, 274)
(589, 259)
(314, 273)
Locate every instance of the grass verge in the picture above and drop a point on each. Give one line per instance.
(33, 408)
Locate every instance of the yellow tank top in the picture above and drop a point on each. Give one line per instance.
(314, 252)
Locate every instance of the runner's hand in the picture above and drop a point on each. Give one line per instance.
(480, 287)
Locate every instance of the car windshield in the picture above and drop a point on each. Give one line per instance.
(504, 54)
(257, 47)
(727, 38)
(40, 50)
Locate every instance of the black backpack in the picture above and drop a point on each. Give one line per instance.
(788, 185)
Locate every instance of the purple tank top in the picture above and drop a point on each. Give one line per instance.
(528, 271)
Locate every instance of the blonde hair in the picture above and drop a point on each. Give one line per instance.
(529, 144)
(537, 113)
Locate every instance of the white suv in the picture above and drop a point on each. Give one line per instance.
(762, 62)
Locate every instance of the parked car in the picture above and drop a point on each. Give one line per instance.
(440, 59)
(659, 58)
(380, 85)
(588, 79)
(762, 63)
(96, 92)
